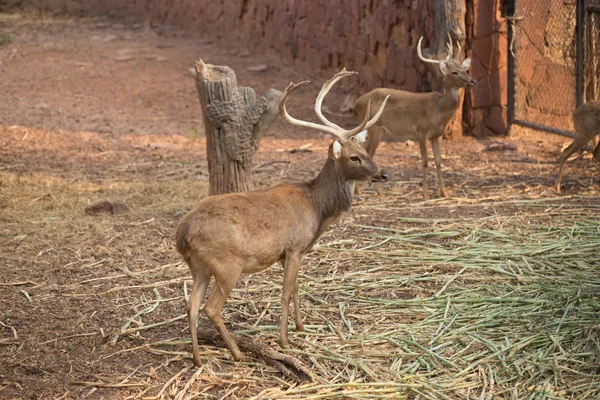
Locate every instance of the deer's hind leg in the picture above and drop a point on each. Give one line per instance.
(226, 273)
(201, 278)
(436, 144)
(577, 144)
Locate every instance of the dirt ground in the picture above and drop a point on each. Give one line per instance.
(94, 109)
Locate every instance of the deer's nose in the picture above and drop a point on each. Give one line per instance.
(473, 82)
(384, 176)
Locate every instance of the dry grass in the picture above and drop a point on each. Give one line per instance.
(497, 297)
(493, 294)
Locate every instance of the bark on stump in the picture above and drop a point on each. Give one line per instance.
(234, 122)
(449, 18)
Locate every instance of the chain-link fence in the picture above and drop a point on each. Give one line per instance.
(544, 64)
(591, 68)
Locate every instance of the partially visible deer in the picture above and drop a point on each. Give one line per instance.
(241, 233)
(586, 120)
(420, 117)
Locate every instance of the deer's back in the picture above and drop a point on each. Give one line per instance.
(586, 119)
(406, 113)
(257, 226)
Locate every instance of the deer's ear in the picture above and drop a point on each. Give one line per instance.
(337, 149)
(444, 67)
(466, 64)
(361, 137)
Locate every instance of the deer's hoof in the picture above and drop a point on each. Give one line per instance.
(197, 362)
(239, 357)
(300, 327)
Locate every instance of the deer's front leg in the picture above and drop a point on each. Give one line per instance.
(297, 313)
(290, 274)
(423, 148)
(436, 144)
(597, 152)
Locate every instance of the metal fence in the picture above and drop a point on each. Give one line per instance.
(591, 49)
(553, 61)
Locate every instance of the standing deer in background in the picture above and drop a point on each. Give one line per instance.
(586, 120)
(232, 234)
(419, 116)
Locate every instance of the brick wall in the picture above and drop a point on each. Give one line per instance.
(374, 37)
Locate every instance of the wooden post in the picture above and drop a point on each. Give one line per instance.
(234, 122)
(449, 18)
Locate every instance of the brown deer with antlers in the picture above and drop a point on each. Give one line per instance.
(420, 117)
(242, 233)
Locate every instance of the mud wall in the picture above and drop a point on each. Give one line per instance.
(487, 34)
(374, 37)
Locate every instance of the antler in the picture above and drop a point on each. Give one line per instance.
(450, 48)
(324, 90)
(329, 127)
(457, 57)
(420, 54)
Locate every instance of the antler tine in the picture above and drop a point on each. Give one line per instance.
(363, 125)
(367, 123)
(450, 47)
(291, 87)
(324, 90)
(331, 128)
(378, 114)
(457, 57)
(427, 60)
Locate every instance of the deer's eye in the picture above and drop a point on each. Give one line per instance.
(455, 73)
(355, 159)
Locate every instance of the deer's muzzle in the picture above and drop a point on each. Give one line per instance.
(383, 177)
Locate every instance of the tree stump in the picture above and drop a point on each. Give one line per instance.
(234, 122)
(449, 18)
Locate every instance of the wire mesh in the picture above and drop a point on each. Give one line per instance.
(592, 51)
(545, 62)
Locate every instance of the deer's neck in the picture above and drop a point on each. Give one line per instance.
(450, 99)
(330, 192)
